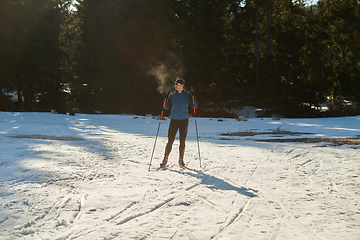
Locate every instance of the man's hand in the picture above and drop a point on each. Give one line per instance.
(165, 95)
(192, 91)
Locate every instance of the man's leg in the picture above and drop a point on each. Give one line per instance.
(173, 127)
(183, 128)
(171, 137)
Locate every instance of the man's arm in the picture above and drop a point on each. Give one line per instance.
(193, 102)
(168, 103)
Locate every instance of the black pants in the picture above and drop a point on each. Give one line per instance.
(175, 125)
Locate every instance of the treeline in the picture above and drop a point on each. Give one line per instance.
(120, 56)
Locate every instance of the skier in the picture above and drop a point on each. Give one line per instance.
(179, 102)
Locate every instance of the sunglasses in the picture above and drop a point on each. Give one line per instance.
(177, 84)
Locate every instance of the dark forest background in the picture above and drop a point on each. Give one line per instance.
(120, 56)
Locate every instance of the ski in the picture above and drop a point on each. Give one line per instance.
(159, 168)
(171, 165)
(187, 168)
(163, 168)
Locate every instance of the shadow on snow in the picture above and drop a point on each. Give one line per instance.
(215, 183)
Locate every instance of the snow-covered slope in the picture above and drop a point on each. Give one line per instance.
(85, 177)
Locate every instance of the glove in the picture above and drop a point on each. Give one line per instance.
(165, 95)
(192, 91)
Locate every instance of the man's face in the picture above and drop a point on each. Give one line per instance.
(179, 87)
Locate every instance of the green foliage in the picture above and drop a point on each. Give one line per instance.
(120, 56)
(340, 21)
(121, 39)
(32, 63)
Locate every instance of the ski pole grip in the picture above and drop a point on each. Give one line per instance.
(194, 105)
(165, 98)
(164, 103)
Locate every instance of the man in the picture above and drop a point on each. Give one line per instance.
(179, 102)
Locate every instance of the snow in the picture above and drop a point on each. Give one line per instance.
(86, 177)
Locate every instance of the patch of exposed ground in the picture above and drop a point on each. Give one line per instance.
(274, 132)
(332, 141)
(45, 137)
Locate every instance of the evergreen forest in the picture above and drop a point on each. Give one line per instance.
(122, 56)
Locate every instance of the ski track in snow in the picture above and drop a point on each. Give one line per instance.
(99, 188)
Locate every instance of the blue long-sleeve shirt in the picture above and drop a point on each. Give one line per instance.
(179, 104)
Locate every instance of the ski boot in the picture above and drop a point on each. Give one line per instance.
(181, 162)
(164, 162)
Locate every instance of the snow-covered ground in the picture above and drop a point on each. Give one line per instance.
(86, 177)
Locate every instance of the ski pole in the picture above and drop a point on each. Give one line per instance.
(197, 135)
(157, 134)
